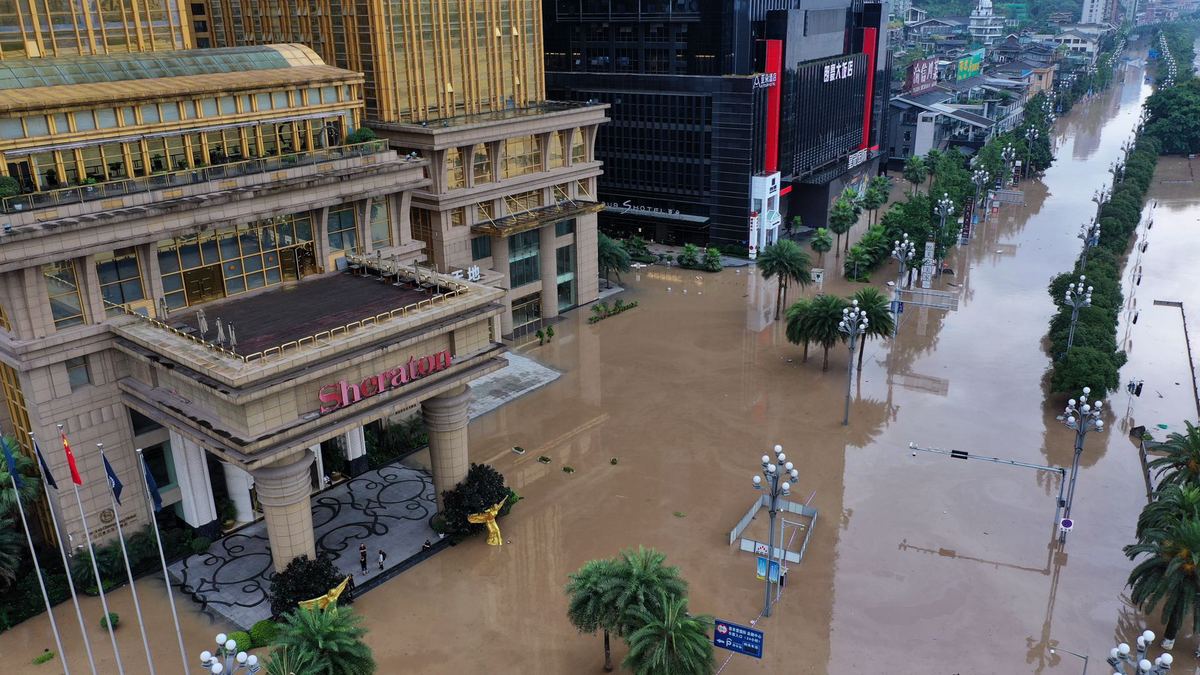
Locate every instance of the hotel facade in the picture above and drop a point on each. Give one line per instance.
(207, 259)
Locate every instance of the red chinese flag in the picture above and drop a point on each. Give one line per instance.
(71, 460)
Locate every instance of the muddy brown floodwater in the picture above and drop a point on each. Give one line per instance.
(916, 564)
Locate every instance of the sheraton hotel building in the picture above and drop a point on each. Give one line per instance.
(729, 117)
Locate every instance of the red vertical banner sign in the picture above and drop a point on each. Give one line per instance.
(774, 66)
(870, 47)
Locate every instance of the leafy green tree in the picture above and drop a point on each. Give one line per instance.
(784, 260)
(331, 638)
(1085, 367)
(1166, 578)
(877, 309)
(821, 323)
(671, 641)
(589, 591)
(1172, 504)
(1180, 460)
(611, 257)
(31, 482)
(821, 243)
(841, 218)
(915, 173)
(858, 264)
(12, 548)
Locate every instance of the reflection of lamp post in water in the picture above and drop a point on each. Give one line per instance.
(903, 251)
(777, 474)
(1082, 417)
(1077, 296)
(853, 324)
(944, 209)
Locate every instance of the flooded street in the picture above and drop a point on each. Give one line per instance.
(917, 564)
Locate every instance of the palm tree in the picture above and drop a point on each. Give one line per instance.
(841, 219)
(872, 199)
(797, 325)
(877, 309)
(822, 318)
(331, 638)
(611, 257)
(285, 662)
(915, 172)
(882, 185)
(1167, 576)
(671, 642)
(12, 546)
(642, 581)
(587, 592)
(1181, 464)
(788, 262)
(821, 242)
(1171, 504)
(931, 166)
(31, 482)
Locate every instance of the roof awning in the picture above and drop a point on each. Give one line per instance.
(535, 218)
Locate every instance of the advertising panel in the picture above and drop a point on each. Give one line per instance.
(922, 76)
(970, 65)
(823, 112)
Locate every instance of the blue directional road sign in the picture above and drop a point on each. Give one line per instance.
(738, 639)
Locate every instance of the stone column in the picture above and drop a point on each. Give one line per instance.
(238, 483)
(500, 264)
(548, 261)
(316, 451)
(195, 485)
(356, 451)
(446, 422)
(283, 492)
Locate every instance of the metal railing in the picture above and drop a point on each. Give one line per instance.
(325, 337)
(201, 174)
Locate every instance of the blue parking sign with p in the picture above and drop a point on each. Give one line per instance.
(738, 639)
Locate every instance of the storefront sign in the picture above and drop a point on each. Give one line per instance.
(838, 71)
(342, 394)
(753, 235)
(765, 80)
(856, 159)
(922, 76)
(628, 206)
(970, 65)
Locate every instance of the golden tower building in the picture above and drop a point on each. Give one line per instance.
(462, 84)
(40, 28)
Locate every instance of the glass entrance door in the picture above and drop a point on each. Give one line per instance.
(203, 284)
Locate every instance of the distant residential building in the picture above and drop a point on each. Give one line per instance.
(985, 27)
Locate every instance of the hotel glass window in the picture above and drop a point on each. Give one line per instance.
(526, 310)
(564, 227)
(454, 169)
(162, 466)
(481, 247)
(381, 223)
(342, 233)
(522, 155)
(557, 153)
(524, 201)
(523, 258)
(10, 128)
(483, 212)
(77, 372)
(120, 279)
(482, 165)
(564, 262)
(66, 302)
(578, 149)
(84, 121)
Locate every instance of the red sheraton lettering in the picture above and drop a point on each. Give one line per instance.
(342, 394)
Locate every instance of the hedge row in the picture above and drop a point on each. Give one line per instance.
(1095, 359)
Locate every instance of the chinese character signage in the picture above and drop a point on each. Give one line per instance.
(765, 80)
(738, 639)
(922, 76)
(970, 65)
(838, 71)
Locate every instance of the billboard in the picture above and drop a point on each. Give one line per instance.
(922, 76)
(970, 65)
(822, 110)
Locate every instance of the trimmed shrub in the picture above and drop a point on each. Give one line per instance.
(112, 619)
(243, 640)
(482, 489)
(200, 544)
(302, 579)
(263, 633)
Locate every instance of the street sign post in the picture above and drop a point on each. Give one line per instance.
(739, 639)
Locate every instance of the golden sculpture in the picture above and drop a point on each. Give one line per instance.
(489, 518)
(326, 600)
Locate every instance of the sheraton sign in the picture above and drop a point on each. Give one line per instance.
(342, 394)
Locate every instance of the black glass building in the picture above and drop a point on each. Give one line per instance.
(708, 94)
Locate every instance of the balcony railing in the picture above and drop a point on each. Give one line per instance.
(159, 181)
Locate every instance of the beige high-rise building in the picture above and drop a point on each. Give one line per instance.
(39, 28)
(460, 83)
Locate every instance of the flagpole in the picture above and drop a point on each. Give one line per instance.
(62, 551)
(137, 606)
(163, 559)
(112, 637)
(38, 568)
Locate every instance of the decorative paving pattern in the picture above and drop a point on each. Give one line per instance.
(386, 509)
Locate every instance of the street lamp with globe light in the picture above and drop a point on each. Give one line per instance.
(1119, 656)
(1078, 295)
(854, 324)
(780, 475)
(1082, 417)
(234, 660)
(903, 251)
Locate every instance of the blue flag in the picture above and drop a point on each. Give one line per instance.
(12, 463)
(152, 485)
(46, 475)
(113, 481)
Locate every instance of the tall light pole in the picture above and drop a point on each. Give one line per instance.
(1031, 135)
(1119, 656)
(1090, 234)
(944, 208)
(854, 325)
(1117, 169)
(980, 178)
(1082, 417)
(903, 251)
(778, 475)
(233, 659)
(1009, 154)
(1100, 197)
(1078, 296)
